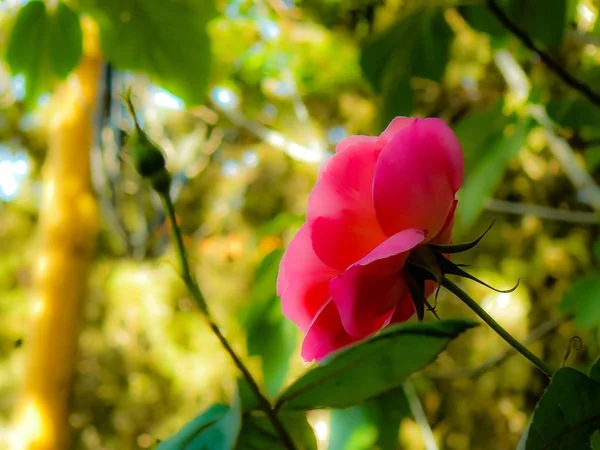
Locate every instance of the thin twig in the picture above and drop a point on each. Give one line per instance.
(194, 289)
(543, 212)
(493, 362)
(553, 65)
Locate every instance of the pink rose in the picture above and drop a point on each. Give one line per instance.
(375, 200)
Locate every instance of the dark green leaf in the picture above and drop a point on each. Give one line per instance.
(573, 113)
(374, 423)
(258, 432)
(165, 39)
(478, 130)
(416, 45)
(432, 45)
(487, 173)
(372, 367)
(583, 298)
(592, 158)
(567, 414)
(481, 19)
(25, 52)
(269, 334)
(65, 40)
(595, 372)
(42, 46)
(546, 22)
(217, 428)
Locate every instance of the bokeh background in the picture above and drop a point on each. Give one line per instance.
(279, 84)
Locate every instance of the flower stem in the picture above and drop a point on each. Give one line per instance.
(544, 367)
(194, 289)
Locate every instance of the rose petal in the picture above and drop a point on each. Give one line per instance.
(395, 125)
(303, 280)
(351, 141)
(405, 308)
(326, 334)
(369, 289)
(340, 207)
(417, 176)
(444, 237)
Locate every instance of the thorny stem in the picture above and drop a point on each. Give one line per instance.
(462, 295)
(194, 289)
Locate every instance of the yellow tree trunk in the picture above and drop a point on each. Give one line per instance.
(67, 232)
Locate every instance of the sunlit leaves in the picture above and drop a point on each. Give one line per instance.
(164, 39)
(44, 45)
(372, 367)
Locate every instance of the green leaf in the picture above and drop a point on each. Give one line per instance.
(573, 113)
(65, 40)
(425, 42)
(258, 432)
(43, 45)
(217, 428)
(375, 423)
(592, 162)
(583, 298)
(372, 367)
(164, 39)
(481, 19)
(567, 414)
(595, 372)
(487, 173)
(478, 129)
(25, 52)
(545, 22)
(269, 334)
(432, 45)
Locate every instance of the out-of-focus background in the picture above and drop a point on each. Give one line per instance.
(272, 86)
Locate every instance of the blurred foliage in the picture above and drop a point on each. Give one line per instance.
(313, 72)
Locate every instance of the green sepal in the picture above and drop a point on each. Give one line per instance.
(416, 287)
(459, 248)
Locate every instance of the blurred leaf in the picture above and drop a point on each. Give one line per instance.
(43, 45)
(258, 432)
(487, 172)
(592, 158)
(567, 414)
(269, 334)
(389, 66)
(65, 40)
(583, 298)
(481, 19)
(164, 39)
(374, 423)
(432, 45)
(595, 372)
(372, 367)
(573, 113)
(217, 428)
(282, 222)
(478, 129)
(545, 21)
